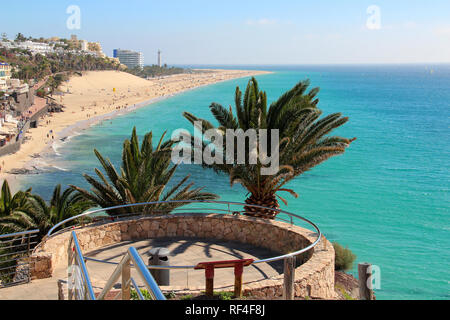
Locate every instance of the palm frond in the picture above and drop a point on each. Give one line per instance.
(304, 141)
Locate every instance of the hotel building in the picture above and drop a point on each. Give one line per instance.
(129, 58)
(36, 47)
(5, 75)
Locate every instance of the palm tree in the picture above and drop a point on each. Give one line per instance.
(13, 205)
(304, 141)
(40, 215)
(145, 174)
(63, 205)
(16, 205)
(25, 211)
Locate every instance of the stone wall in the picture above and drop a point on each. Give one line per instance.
(41, 266)
(39, 114)
(14, 146)
(24, 100)
(10, 148)
(314, 278)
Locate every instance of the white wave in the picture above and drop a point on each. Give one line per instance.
(400, 168)
(60, 169)
(66, 139)
(55, 148)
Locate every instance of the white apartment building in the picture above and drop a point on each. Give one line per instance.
(84, 45)
(5, 75)
(6, 44)
(130, 58)
(35, 47)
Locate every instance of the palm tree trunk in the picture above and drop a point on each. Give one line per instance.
(268, 201)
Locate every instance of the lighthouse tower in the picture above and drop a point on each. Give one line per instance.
(159, 59)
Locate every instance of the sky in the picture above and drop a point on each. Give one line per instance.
(247, 32)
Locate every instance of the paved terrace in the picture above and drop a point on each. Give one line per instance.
(39, 104)
(183, 252)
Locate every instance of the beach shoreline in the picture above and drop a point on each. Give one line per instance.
(41, 144)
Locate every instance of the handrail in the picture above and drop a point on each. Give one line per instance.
(18, 234)
(123, 269)
(150, 282)
(170, 202)
(80, 263)
(75, 254)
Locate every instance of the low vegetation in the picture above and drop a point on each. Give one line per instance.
(155, 71)
(27, 66)
(343, 292)
(344, 258)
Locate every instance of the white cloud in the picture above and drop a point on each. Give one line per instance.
(261, 22)
(442, 31)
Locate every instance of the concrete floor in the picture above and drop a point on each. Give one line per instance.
(188, 252)
(184, 252)
(45, 289)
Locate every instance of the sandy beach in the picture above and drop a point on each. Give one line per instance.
(98, 95)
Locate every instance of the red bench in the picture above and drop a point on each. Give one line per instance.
(238, 266)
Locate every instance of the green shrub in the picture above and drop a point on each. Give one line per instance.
(148, 296)
(170, 295)
(40, 93)
(345, 294)
(344, 258)
(145, 293)
(226, 295)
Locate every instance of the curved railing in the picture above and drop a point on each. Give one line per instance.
(80, 285)
(281, 216)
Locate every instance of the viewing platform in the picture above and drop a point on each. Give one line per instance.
(192, 236)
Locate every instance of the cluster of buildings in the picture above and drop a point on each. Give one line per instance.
(20, 92)
(86, 47)
(129, 58)
(55, 45)
(16, 101)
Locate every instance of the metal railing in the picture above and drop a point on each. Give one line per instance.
(80, 286)
(124, 270)
(282, 215)
(15, 251)
(229, 209)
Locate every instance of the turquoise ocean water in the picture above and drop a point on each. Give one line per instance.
(387, 198)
